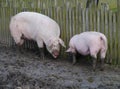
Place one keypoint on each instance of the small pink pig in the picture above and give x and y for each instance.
(89, 43)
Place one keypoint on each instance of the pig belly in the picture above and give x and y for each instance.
(83, 50)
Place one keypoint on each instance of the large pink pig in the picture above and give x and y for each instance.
(37, 27)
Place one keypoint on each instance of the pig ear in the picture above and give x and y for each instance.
(61, 42)
(68, 50)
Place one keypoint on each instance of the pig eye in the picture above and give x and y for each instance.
(53, 45)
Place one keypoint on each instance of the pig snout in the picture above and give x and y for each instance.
(55, 53)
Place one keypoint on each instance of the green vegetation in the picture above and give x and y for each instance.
(112, 3)
(49, 3)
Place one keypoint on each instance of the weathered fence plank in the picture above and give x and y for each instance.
(118, 27)
(115, 39)
(110, 36)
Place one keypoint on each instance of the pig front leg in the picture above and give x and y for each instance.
(19, 46)
(93, 54)
(72, 52)
(19, 41)
(73, 58)
(41, 48)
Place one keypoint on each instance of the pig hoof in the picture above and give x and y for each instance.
(42, 57)
(73, 63)
(94, 70)
(101, 69)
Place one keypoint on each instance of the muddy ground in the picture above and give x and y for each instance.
(28, 71)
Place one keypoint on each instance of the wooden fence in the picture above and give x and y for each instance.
(72, 20)
(42, 4)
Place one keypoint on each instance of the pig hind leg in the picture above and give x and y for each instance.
(93, 54)
(102, 56)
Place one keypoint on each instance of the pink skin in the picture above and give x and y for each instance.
(54, 46)
(34, 27)
(89, 43)
(55, 53)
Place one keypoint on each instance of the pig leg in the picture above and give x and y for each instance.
(42, 53)
(94, 56)
(74, 58)
(102, 64)
(20, 48)
(20, 44)
(41, 49)
(102, 55)
(94, 63)
(72, 51)
(19, 41)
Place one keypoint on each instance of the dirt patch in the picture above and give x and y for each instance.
(27, 71)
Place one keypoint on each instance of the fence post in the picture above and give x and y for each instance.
(115, 40)
(118, 24)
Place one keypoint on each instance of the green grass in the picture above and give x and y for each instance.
(112, 3)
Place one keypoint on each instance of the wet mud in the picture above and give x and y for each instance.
(27, 71)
